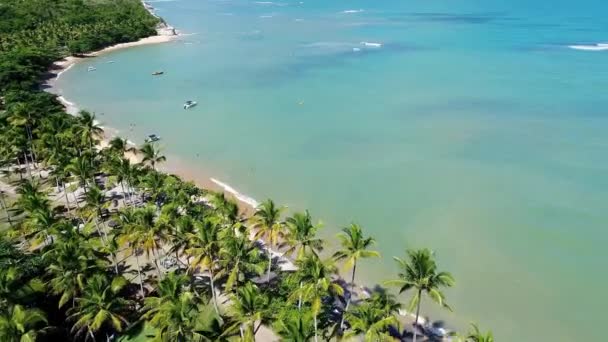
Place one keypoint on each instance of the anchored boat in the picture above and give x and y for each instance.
(189, 104)
(152, 138)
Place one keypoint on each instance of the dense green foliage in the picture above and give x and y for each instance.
(34, 33)
(95, 244)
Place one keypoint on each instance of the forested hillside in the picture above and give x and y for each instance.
(33, 33)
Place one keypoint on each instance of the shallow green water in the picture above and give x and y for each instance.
(473, 130)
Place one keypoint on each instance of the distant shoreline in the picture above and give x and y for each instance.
(165, 34)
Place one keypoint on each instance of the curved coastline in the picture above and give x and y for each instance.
(165, 34)
(246, 203)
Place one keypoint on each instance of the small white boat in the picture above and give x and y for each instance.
(91, 68)
(189, 104)
(152, 138)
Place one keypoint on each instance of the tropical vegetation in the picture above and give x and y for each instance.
(100, 244)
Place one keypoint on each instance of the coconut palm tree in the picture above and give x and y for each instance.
(88, 128)
(370, 322)
(205, 250)
(153, 184)
(129, 235)
(151, 155)
(354, 247)
(148, 234)
(295, 326)
(175, 319)
(15, 287)
(315, 278)
(99, 307)
(18, 324)
(160, 309)
(31, 197)
(70, 262)
(267, 224)
(419, 273)
(210, 327)
(41, 226)
(475, 335)
(301, 236)
(250, 307)
(238, 258)
(120, 146)
(182, 228)
(5, 208)
(123, 173)
(81, 168)
(95, 202)
(227, 209)
(22, 114)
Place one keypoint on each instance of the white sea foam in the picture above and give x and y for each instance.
(243, 198)
(592, 47)
(266, 16)
(64, 70)
(352, 11)
(270, 3)
(372, 45)
(70, 107)
(298, 20)
(356, 49)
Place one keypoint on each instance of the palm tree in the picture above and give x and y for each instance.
(168, 312)
(70, 262)
(369, 321)
(147, 234)
(122, 172)
(5, 208)
(99, 306)
(295, 326)
(88, 128)
(153, 183)
(151, 155)
(205, 249)
(31, 197)
(228, 210)
(354, 247)
(249, 306)
(130, 235)
(302, 235)
(18, 324)
(15, 287)
(23, 115)
(475, 335)
(419, 272)
(210, 327)
(95, 202)
(82, 169)
(267, 223)
(238, 258)
(373, 317)
(176, 319)
(315, 283)
(183, 227)
(120, 146)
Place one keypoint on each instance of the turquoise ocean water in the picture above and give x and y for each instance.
(467, 126)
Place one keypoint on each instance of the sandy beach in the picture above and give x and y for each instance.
(165, 34)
